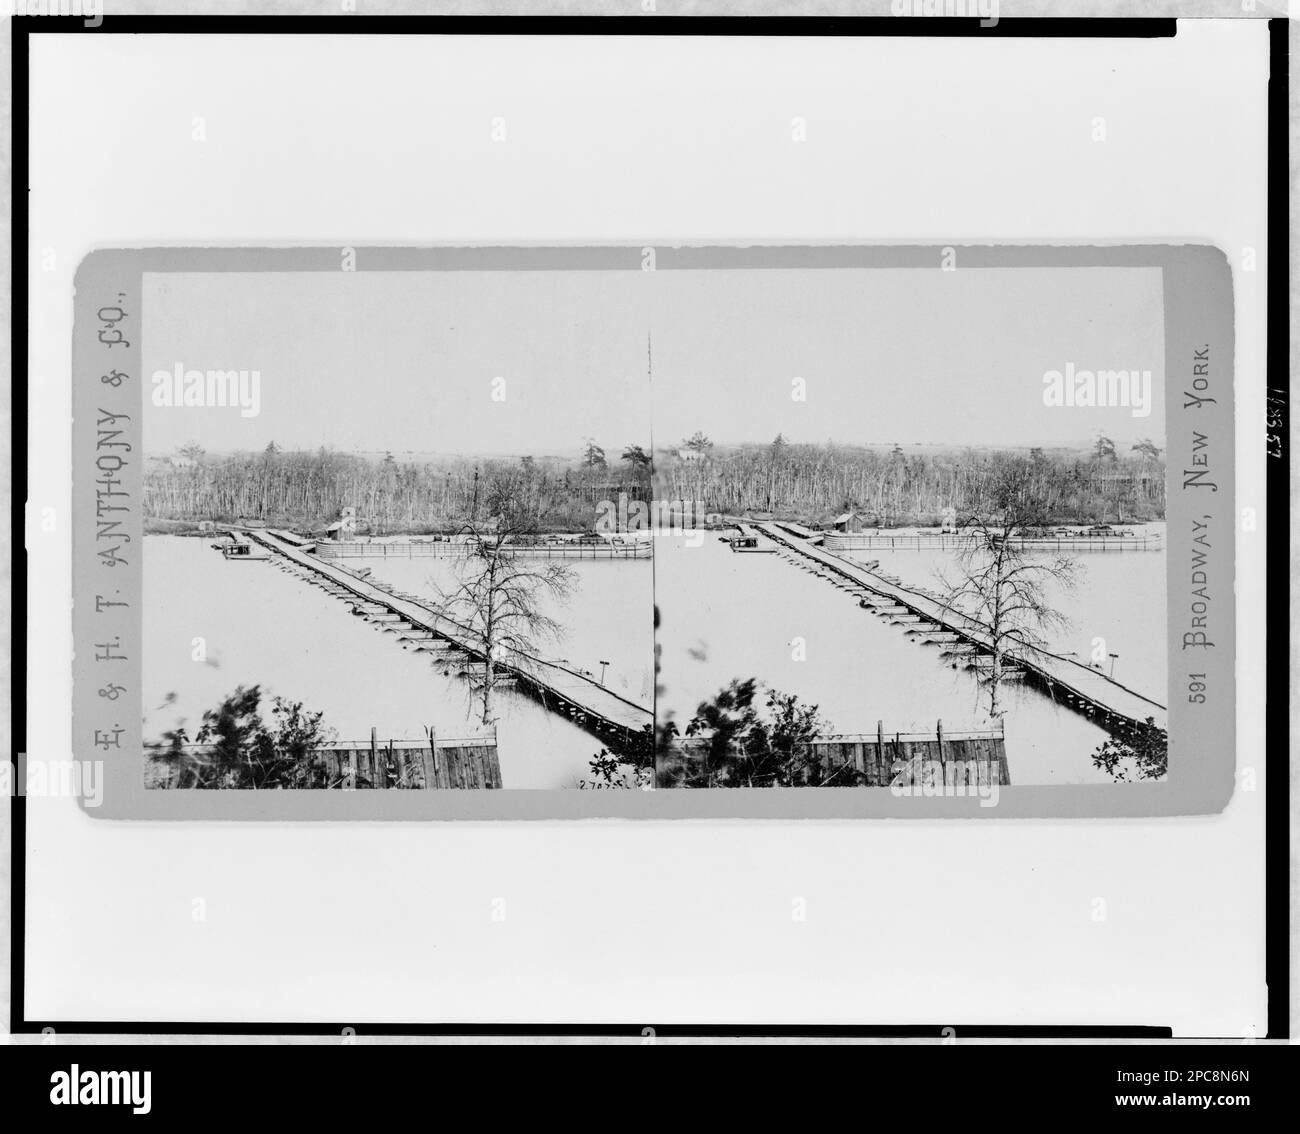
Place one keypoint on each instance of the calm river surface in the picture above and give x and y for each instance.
(727, 615)
(264, 627)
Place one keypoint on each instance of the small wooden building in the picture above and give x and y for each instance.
(345, 527)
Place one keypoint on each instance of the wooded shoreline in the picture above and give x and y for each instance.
(808, 484)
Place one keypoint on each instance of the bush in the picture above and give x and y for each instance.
(240, 750)
(1139, 753)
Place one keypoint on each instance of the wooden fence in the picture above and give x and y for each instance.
(954, 758)
(931, 541)
(462, 763)
(435, 763)
(459, 549)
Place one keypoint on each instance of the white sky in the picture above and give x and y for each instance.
(902, 355)
(405, 361)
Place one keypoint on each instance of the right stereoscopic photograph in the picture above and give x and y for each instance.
(917, 532)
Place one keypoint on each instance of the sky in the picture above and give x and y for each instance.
(902, 356)
(534, 362)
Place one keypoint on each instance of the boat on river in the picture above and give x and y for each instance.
(241, 547)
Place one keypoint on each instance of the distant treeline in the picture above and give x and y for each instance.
(308, 489)
(814, 483)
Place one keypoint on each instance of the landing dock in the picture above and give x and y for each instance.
(799, 530)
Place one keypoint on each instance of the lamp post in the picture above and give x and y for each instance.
(603, 664)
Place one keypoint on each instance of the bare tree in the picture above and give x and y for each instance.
(776, 454)
(1004, 588)
(500, 596)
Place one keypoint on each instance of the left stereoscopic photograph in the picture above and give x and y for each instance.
(384, 536)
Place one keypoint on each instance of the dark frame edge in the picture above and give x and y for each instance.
(1277, 555)
(1277, 814)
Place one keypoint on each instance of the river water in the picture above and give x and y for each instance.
(726, 615)
(262, 626)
